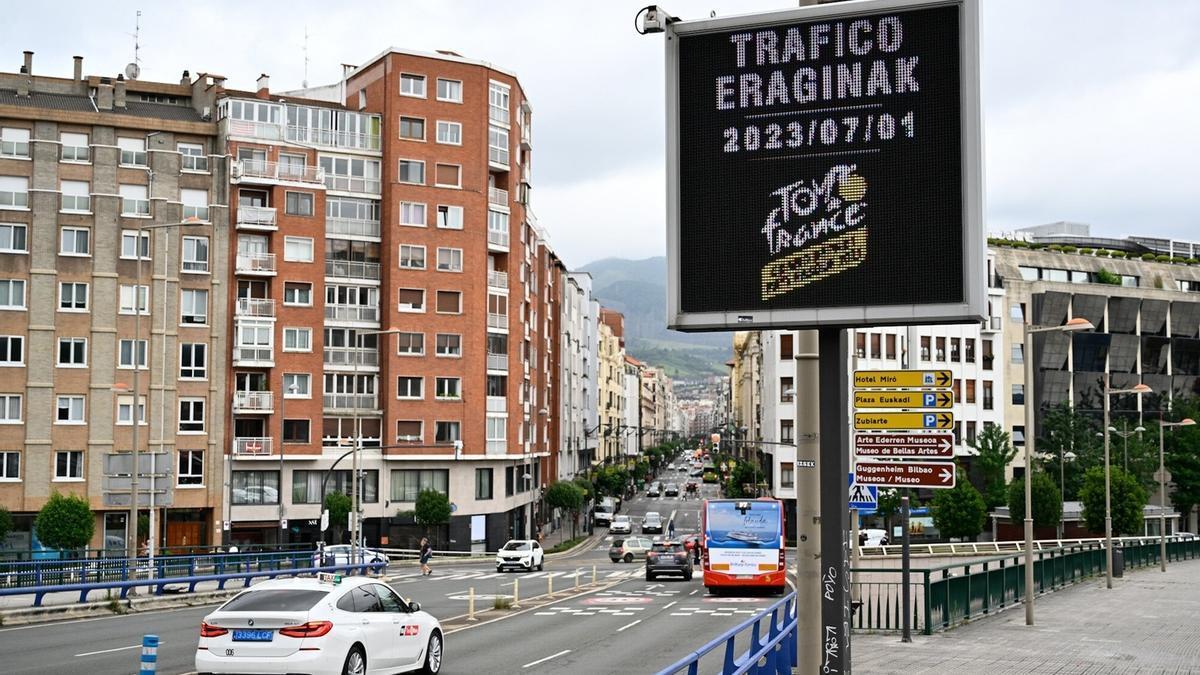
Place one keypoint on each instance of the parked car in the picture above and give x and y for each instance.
(339, 554)
(330, 624)
(603, 514)
(621, 525)
(652, 522)
(629, 548)
(671, 466)
(872, 537)
(522, 554)
(668, 557)
(672, 490)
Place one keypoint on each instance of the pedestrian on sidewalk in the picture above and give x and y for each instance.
(426, 554)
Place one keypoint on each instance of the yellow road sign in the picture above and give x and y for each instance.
(902, 378)
(919, 398)
(888, 421)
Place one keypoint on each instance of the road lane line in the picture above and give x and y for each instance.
(114, 649)
(629, 625)
(552, 656)
(670, 604)
(694, 592)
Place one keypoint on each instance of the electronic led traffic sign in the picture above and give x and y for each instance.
(824, 167)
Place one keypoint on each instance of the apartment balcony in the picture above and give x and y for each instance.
(259, 264)
(330, 138)
(352, 269)
(253, 356)
(498, 197)
(497, 321)
(352, 227)
(497, 404)
(252, 446)
(992, 324)
(497, 362)
(353, 313)
(256, 218)
(498, 239)
(498, 279)
(335, 403)
(262, 308)
(351, 357)
(253, 402)
(360, 184)
(266, 131)
(271, 173)
(526, 137)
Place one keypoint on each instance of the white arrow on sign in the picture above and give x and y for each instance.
(946, 476)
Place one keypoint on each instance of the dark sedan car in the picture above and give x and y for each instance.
(671, 490)
(655, 490)
(668, 557)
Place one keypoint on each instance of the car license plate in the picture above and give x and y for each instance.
(744, 576)
(253, 635)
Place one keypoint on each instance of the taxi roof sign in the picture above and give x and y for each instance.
(329, 578)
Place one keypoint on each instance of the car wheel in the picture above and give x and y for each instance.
(542, 565)
(356, 662)
(433, 655)
(628, 557)
(499, 569)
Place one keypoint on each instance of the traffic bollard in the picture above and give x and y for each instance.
(471, 604)
(149, 655)
(550, 586)
(516, 594)
(593, 575)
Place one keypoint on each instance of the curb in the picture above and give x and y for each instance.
(114, 607)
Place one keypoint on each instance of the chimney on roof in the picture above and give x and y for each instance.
(186, 79)
(104, 94)
(23, 84)
(264, 86)
(28, 62)
(78, 68)
(119, 92)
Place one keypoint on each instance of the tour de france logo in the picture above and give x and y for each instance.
(817, 231)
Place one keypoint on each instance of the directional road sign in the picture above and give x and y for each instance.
(893, 379)
(905, 474)
(889, 421)
(904, 446)
(916, 398)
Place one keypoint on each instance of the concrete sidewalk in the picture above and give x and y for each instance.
(1145, 624)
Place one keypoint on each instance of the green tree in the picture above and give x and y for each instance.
(338, 504)
(65, 522)
(888, 507)
(6, 523)
(1182, 449)
(1047, 502)
(959, 512)
(567, 496)
(1066, 434)
(1128, 500)
(432, 509)
(994, 452)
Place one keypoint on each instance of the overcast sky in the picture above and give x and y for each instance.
(1091, 107)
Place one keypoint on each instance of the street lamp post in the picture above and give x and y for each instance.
(1063, 458)
(356, 488)
(1108, 392)
(1076, 324)
(1125, 432)
(1162, 486)
(293, 390)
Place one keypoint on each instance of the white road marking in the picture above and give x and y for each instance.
(114, 649)
(670, 604)
(629, 625)
(552, 656)
(680, 614)
(694, 592)
(492, 575)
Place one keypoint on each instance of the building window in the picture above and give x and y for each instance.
(448, 387)
(447, 175)
(192, 157)
(68, 465)
(255, 487)
(860, 344)
(12, 350)
(10, 465)
(297, 385)
(409, 431)
(131, 249)
(449, 133)
(412, 214)
(785, 346)
(890, 342)
(125, 410)
(410, 344)
(408, 483)
(449, 344)
(412, 128)
(449, 259)
(10, 408)
(412, 85)
(412, 300)
(483, 483)
(449, 302)
(1018, 435)
(1016, 312)
(1018, 394)
(125, 353)
(193, 361)
(970, 391)
(195, 254)
(195, 204)
(297, 431)
(786, 431)
(925, 340)
(14, 193)
(969, 350)
(412, 257)
(956, 387)
(986, 355)
(75, 241)
(955, 353)
(449, 90)
(133, 151)
(72, 352)
(497, 434)
(191, 415)
(191, 467)
(74, 147)
(498, 102)
(876, 339)
(498, 145)
(409, 387)
(134, 201)
(298, 204)
(787, 475)
(447, 432)
(412, 171)
(193, 306)
(297, 294)
(787, 393)
(941, 349)
(988, 396)
(14, 142)
(297, 339)
(450, 217)
(72, 296)
(971, 434)
(306, 485)
(1018, 353)
(298, 249)
(76, 197)
(69, 410)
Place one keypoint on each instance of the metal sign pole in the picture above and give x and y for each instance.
(808, 505)
(835, 531)
(905, 565)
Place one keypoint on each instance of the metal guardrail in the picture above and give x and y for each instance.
(35, 573)
(773, 653)
(985, 547)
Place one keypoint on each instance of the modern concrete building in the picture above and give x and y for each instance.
(630, 437)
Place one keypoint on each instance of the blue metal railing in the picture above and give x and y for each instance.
(33, 573)
(773, 653)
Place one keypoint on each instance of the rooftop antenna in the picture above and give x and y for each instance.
(134, 69)
(304, 83)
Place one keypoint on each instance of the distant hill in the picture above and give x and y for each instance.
(638, 289)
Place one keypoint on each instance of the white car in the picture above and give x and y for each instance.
(522, 554)
(621, 525)
(330, 624)
(339, 554)
(873, 537)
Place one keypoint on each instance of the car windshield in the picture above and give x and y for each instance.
(275, 600)
(667, 548)
(517, 546)
(621, 519)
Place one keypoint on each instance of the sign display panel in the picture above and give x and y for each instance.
(823, 168)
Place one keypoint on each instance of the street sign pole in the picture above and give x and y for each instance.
(808, 505)
(905, 565)
(834, 525)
